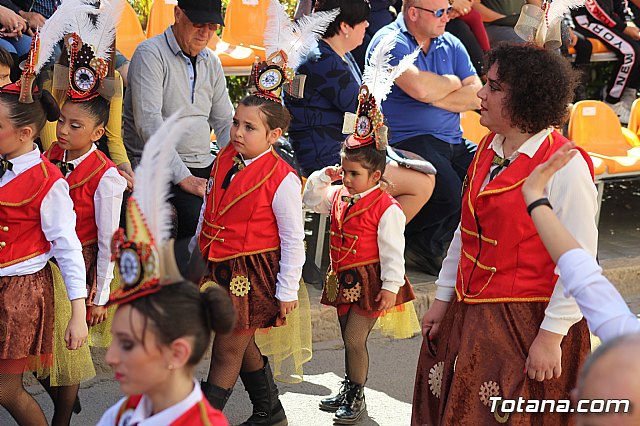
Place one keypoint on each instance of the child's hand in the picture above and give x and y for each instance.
(334, 172)
(385, 299)
(287, 307)
(533, 187)
(432, 319)
(97, 314)
(76, 333)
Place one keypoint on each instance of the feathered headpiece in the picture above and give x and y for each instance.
(287, 44)
(89, 43)
(144, 255)
(542, 25)
(367, 125)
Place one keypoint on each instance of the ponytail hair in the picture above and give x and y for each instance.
(43, 109)
(181, 310)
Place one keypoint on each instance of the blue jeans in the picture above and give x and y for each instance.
(432, 228)
(19, 47)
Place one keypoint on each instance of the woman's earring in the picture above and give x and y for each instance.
(346, 35)
(170, 366)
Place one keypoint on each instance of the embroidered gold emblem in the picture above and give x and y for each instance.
(499, 415)
(240, 286)
(352, 294)
(435, 378)
(207, 284)
(331, 286)
(488, 390)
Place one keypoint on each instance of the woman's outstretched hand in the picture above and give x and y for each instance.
(533, 187)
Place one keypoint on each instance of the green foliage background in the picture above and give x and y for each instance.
(235, 84)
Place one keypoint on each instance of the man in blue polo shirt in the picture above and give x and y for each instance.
(423, 114)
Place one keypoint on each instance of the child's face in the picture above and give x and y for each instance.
(356, 178)
(5, 72)
(249, 134)
(13, 142)
(138, 368)
(77, 129)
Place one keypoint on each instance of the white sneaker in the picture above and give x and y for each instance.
(622, 109)
(629, 95)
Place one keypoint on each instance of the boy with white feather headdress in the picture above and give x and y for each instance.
(251, 233)
(366, 280)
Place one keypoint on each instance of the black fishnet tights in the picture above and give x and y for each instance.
(18, 402)
(355, 332)
(63, 397)
(231, 354)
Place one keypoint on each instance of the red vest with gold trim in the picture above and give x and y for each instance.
(239, 221)
(502, 257)
(200, 414)
(21, 236)
(83, 183)
(354, 233)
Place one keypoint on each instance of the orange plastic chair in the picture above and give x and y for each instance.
(160, 17)
(471, 127)
(634, 121)
(595, 127)
(244, 24)
(596, 47)
(129, 32)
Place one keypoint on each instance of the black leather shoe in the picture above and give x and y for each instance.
(353, 406)
(263, 393)
(334, 402)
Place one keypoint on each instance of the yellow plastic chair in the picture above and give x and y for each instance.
(471, 127)
(595, 127)
(129, 32)
(634, 121)
(244, 24)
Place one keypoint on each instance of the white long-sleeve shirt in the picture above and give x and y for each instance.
(318, 196)
(287, 208)
(58, 222)
(603, 307)
(107, 202)
(574, 199)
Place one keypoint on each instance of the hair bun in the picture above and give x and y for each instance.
(219, 309)
(50, 106)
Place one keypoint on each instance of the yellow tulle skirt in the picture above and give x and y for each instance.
(69, 367)
(399, 322)
(100, 335)
(289, 346)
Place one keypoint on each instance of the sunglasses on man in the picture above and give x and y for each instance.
(438, 12)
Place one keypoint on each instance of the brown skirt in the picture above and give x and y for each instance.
(26, 322)
(251, 282)
(360, 285)
(90, 254)
(480, 352)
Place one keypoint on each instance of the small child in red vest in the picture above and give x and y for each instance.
(251, 234)
(96, 188)
(37, 223)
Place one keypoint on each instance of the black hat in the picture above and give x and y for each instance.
(202, 11)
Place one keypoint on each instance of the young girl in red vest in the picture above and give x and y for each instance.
(162, 326)
(38, 222)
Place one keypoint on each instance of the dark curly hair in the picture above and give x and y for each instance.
(541, 85)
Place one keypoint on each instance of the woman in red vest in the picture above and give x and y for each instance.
(500, 327)
(96, 189)
(37, 223)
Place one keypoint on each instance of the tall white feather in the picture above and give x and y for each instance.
(101, 36)
(378, 74)
(62, 22)
(296, 39)
(153, 177)
(557, 9)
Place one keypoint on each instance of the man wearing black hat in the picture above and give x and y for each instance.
(175, 71)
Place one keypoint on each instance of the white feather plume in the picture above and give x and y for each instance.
(296, 39)
(153, 176)
(378, 74)
(558, 8)
(101, 36)
(62, 22)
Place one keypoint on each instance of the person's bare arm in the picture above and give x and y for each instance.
(425, 86)
(463, 99)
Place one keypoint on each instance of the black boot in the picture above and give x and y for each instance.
(263, 392)
(334, 402)
(216, 395)
(353, 406)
